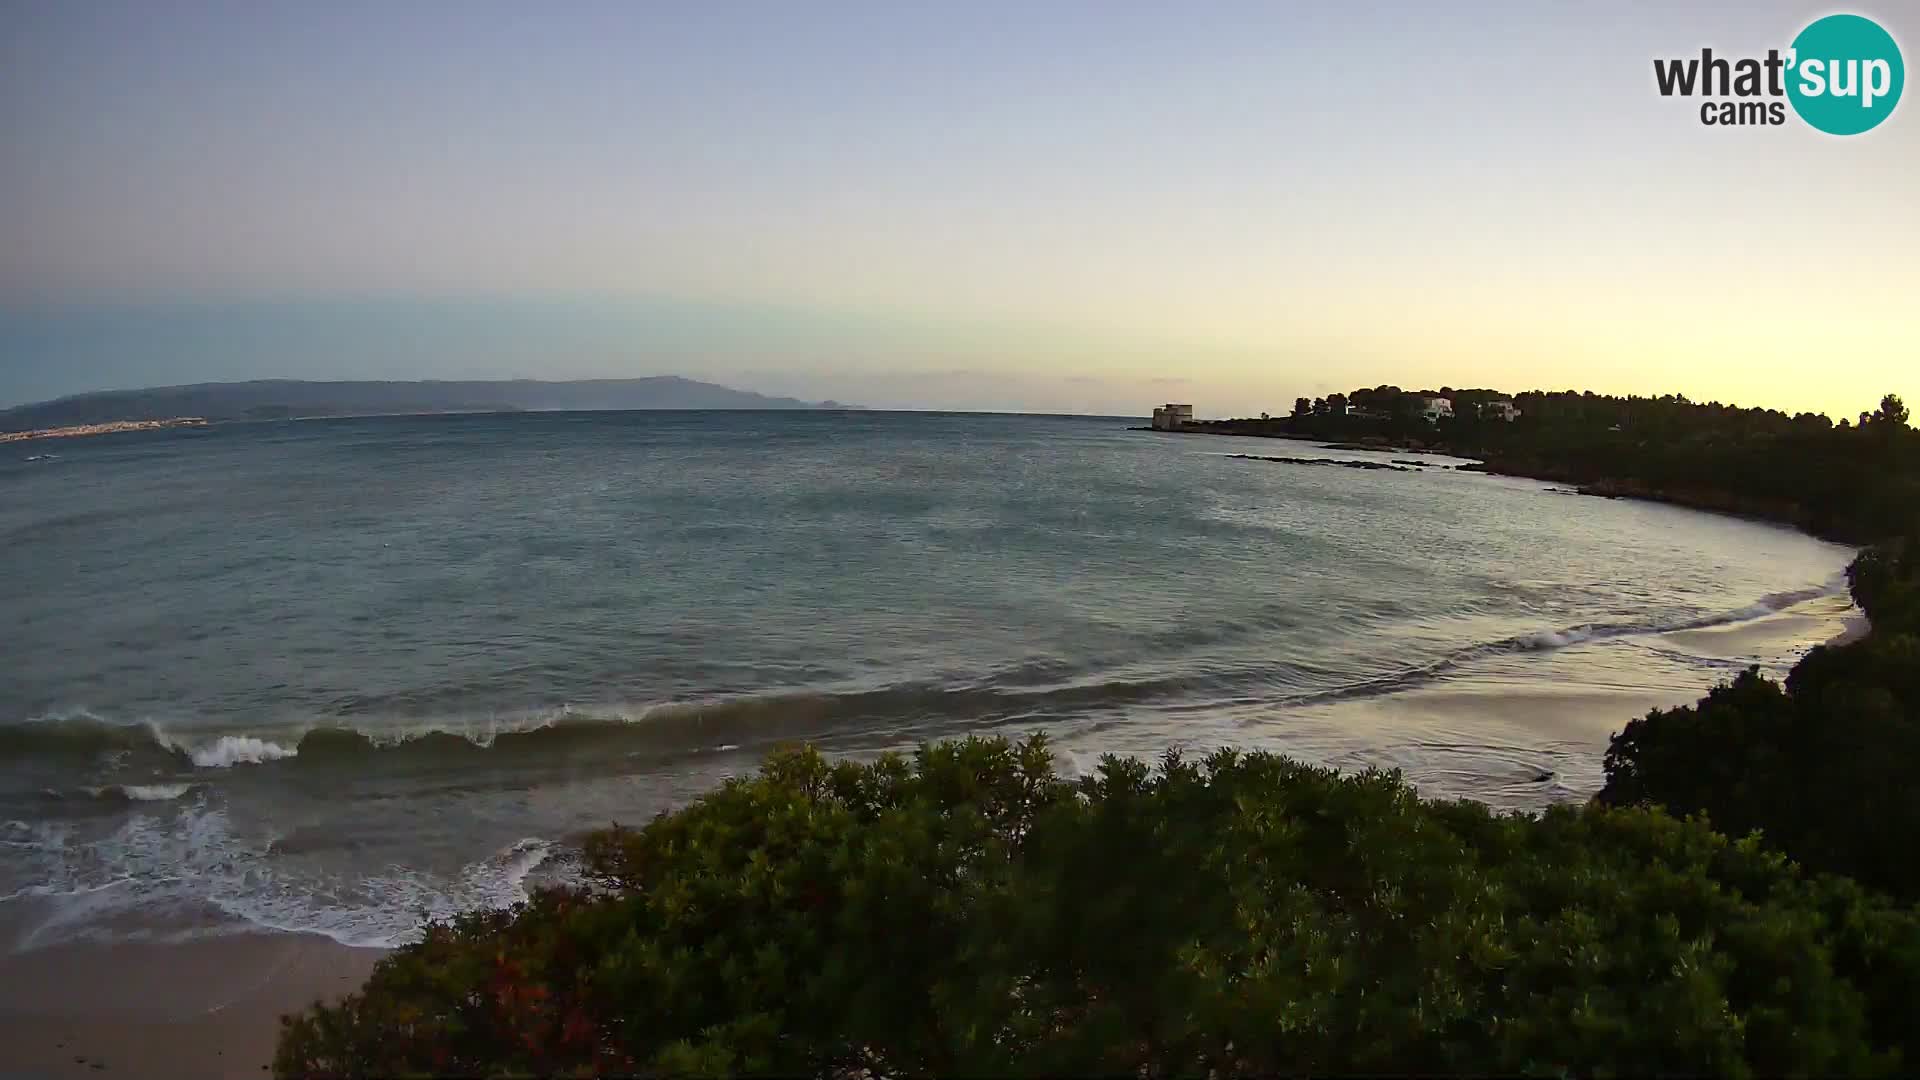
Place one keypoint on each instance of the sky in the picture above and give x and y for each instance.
(1056, 206)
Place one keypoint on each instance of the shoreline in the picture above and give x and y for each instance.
(1858, 626)
(207, 1008)
(77, 431)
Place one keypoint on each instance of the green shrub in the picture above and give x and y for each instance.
(1885, 581)
(1822, 767)
(967, 911)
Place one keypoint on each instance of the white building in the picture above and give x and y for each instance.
(1499, 410)
(1434, 407)
(1169, 417)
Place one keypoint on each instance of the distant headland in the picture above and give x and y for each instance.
(278, 399)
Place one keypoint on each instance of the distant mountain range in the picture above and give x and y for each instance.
(272, 399)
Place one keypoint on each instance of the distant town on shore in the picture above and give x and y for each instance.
(110, 428)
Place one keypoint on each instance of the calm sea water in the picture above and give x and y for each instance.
(326, 675)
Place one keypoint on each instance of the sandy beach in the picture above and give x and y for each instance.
(200, 1009)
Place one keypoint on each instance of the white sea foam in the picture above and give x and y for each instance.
(154, 792)
(1771, 604)
(385, 910)
(1073, 764)
(143, 792)
(230, 750)
(182, 857)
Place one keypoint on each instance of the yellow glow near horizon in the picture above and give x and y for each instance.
(1258, 200)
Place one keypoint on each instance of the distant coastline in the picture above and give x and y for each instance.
(288, 399)
(110, 428)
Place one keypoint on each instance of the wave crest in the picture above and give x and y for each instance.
(903, 712)
(230, 750)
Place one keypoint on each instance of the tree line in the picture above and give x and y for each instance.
(1855, 481)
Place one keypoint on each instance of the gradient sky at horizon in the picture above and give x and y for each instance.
(1064, 206)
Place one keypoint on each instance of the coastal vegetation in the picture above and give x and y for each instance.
(1856, 481)
(1739, 900)
(967, 911)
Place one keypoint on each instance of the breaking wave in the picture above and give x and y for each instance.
(82, 733)
(1759, 609)
(168, 841)
(904, 711)
(192, 856)
(1549, 640)
(230, 750)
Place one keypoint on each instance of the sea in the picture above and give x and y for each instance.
(341, 675)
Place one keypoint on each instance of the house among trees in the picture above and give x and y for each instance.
(1433, 406)
(1502, 409)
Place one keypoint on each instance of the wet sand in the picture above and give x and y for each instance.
(1831, 620)
(1521, 731)
(204, 1009)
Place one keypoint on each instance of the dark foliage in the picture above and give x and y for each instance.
(1823, 766)
(1886, 584)
(1853, 482)
(967, 912)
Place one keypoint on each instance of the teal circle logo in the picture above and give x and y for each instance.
(1845, 74)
